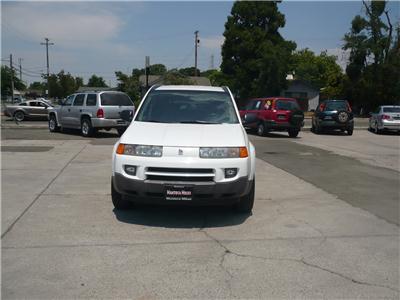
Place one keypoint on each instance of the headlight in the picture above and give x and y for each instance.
(223, 152)
(140, 150)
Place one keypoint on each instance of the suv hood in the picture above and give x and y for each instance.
(185, 135)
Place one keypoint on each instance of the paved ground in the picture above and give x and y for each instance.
(314, 232)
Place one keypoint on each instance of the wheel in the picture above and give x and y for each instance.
(317, 130)
(121, 130)
(246, 203)
(86, 127)
(261, 129)
(117, 199)
(342, 117)
(350, 131)
(293, 132)
(19, 116)
(53, 126)
(376, 128)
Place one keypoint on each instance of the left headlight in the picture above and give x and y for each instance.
(140, 150)
(223, 152)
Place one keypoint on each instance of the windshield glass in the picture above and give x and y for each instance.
(391, 109)
(202, 107)
(286, 105)
(336, 105)
(115, 99)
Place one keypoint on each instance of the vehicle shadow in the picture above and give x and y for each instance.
(172, 216)
(100, 134)
(279, 135)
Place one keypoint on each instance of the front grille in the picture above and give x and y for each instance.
(180, 174)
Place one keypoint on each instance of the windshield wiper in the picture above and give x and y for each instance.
(198, 122)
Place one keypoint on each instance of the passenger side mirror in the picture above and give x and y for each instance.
(126, 115)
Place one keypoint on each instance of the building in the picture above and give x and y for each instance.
(306, 94)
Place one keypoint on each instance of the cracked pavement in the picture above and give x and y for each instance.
(62, 239)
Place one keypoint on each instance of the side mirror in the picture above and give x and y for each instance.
(126, 115)
(249, 118)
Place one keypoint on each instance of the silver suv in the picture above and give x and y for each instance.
(91, 111)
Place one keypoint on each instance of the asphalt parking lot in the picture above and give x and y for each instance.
(325, 224)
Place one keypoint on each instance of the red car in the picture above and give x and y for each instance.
(273, 114)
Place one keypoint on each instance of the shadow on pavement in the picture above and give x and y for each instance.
(100, 134)
(172, 216)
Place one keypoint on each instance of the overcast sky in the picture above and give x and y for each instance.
(103, 37)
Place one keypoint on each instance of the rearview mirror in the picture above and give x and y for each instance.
(126, 115)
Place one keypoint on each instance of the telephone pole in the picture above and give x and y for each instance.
(196, 44)
(20, 68)
(47, 59)
(212, 62)
(12, 79)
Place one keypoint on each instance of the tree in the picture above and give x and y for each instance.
(176, 78)
(96, 81)
(188, 71)
(78, 82)
(216, 77)
(129, 85)
(374, 65)
(157, 69)
(63, 84)
(255, 57)
(41, 86)
(6, 76)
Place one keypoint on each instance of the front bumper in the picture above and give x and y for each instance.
(108, 123)
(204, 193)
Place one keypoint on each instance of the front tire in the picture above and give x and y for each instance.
(19, 116)
(293, 133)
(118, 201)
(376, 128)
(53, 126)
(246, 203)
(350, 131)
(261, 129)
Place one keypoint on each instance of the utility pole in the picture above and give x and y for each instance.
(212, 62)
(20, 68)
(147, 71)
(12, 79)
(47, 59)
(196, 44)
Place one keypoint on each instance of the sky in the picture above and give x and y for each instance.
(103, 37)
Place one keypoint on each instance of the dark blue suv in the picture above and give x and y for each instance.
(332, 115)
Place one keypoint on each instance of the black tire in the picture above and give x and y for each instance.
(86, 128)
(376, 129)
(317, 130)
(342, 117)
(245, 204)
(294, 132)
(350, 131)
(297, 118)
(261, 131)
(53, 126)
(121, 130)
(19, 116)
(118, 201)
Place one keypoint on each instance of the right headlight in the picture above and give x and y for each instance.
(223, 152)
(140, 150)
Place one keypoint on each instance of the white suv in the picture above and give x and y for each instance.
(186, 144)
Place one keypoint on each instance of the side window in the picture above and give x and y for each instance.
(79, 100)
(250, 105)
(268, 104)
(22, 104)
(258, 105)
(33, 103)
(91, 100)
(69, 100)
(41, 104)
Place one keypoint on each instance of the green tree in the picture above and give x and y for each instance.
(63, 84)
(129, 85)
(216, 77)
(78, 82)
(174, 77)
(374, 69)
(157, 69)
(6, 76)
(188, 71)
(41, 86)
(96, 81)
(255, 57)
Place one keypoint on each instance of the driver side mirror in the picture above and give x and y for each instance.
(126, 115)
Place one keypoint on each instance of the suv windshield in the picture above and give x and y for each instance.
(115, 99)
(286, 105)
(199, 107)
(336, 105)
(391, 109)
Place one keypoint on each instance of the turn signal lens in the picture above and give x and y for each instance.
(243, 152)
(120, 149)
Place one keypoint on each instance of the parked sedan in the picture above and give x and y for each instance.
(385, 118)
(28, 109)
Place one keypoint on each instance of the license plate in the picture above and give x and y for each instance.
(328, 118)
(178, 193)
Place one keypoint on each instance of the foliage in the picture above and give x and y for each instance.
(63, 84)
(189, 71)
(6, 76)
(255, 57)
(374, 67)
(176, 78)
(130, 85)
(216, 77)
(96, 81)
(40, 86)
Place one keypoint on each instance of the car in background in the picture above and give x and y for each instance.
(186, 145)
(273, 114)
(333, 115)
(91, 111)
(385, 118)
(28, 110)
